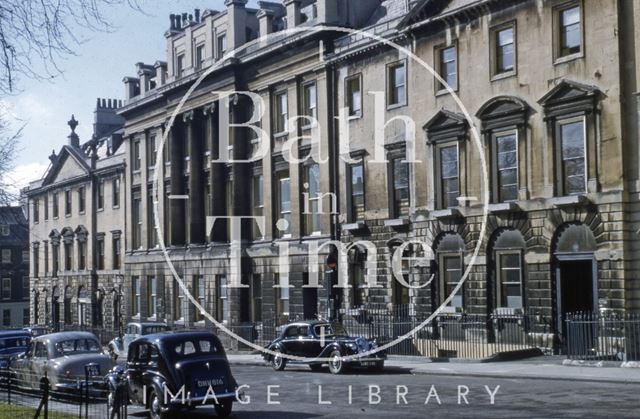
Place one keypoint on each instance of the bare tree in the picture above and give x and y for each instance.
(35, 34)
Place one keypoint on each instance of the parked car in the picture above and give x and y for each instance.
(64, 357)
(12, 343)
(119, 346)
(193, 361)
(36, 331)
(320, 339)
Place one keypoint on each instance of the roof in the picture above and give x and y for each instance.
(11, 333)
(62, 336)
(174, 336)
(18, 227)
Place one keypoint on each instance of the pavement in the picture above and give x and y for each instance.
(541, 367)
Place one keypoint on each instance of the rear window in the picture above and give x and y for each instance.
(148, 330)
(190, 348)
(78, 346)
(13, 342)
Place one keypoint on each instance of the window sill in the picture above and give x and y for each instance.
(355, 117)
(503, 207)
(357, 225)
(568, 58)
(444, 214)
(280, 135)
(396, 222)
(309, 127)
(391, 107)
(451, 310)
(445, 92)
(137, 172)
(505, 75)
(569, 201)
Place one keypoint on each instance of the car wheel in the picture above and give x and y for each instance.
(224, 409)
(278, 362)
(315, 367)
(336, 364)
(155, 407)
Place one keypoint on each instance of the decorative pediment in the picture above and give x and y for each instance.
(569, 96)
(69, 164)
(81, 232)
(446, 125)
(503, 111)
(55, 234)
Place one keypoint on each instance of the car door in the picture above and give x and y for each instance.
(289, 340)
(37, 364)
(317, 341)
(300, 346)
(138, 358)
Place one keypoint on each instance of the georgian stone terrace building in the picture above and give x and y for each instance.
(549, 85)
(76, 229)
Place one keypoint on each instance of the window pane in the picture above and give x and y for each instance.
(570, 36)
(505, 37)
(574, 170)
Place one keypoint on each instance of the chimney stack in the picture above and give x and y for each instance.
(196, 13)
(172, 17)
(237, 23)
(105, 118)
(265, 19)
(294, 16)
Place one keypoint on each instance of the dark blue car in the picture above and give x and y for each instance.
(167, 372)
(12, 344)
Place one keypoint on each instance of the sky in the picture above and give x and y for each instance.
(95, 71)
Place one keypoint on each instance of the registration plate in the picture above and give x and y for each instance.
(368, 363)
(93, 370)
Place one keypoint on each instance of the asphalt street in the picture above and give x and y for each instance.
(398, 393)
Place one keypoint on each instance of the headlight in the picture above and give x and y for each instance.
(352, 346)
(374, 343)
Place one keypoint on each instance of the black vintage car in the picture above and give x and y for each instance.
(168, 372)
(315, 340)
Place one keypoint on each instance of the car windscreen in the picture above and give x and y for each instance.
(13, 342)
(193, 348)
(148, 330)
(78, 346)
(329, 330)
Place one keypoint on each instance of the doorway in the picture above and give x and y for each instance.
(576, 289)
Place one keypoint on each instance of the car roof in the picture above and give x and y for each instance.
(60, 336)
(175, 336)
(11, 333)
(308, 323)
(143, 324)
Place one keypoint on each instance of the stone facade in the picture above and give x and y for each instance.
(76, 230)
(543, 85)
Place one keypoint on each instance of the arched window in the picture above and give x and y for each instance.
(508, 256)
(67, 305)
(83, 303)
(450, 266)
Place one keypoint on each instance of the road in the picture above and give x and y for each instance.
(299, 393)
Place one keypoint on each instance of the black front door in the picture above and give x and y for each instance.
(576, 289)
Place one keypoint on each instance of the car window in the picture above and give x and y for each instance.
(291, 331)
(78, 346)
(206, 346)
(192, 348)
(330, 330)
(40, 350)
(13, 342)
(303, 331)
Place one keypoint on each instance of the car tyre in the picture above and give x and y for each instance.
(155, 407)
(336, 364)
(278, 362)
(223, 410)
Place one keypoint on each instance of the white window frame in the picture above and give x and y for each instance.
(560, 173)
(499, 276)
(496, 171)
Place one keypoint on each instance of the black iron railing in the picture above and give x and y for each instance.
(603, 336)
